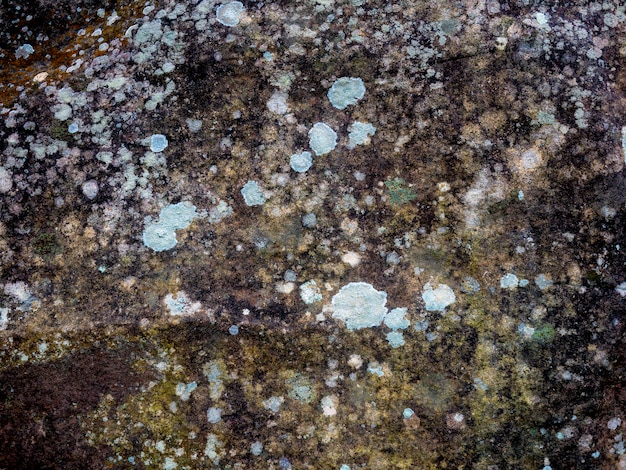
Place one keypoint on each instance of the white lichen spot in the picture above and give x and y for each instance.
(501, 43)
(346, 91)
(180, 304)
(543, 282)
(273, 403)
(614, 423)
(212, 445)
(530, 159)
(301, 162)
(541, 20)
(309, 220)
(352, 258)
(322, 138)
(526, 331)
(161, 235)
(621, 289)
(148, 32)
(443, 186)
(158, 143)
(40, 77)
(19, 291)
(4, 318)
(470, 285)
(169, 464)
(184, 390)
(6, 180)
(396, 320)
(62, 111)
(395, 339)
(593, 53)
(229, 14)
(359, 305)
(256, 448)
(117, 82)
(214, 415)
(219, 212)
(310, 292)
(252, 194)
(509, 281)
(277, 103)
(284, 287)
(375, 368)
(24, 51)
(355, 361)
(359, 133)
(194, 125)
(611, 20)
(439, 298)
(90, 189)
(329, 405)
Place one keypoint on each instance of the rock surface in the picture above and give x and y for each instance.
(491, 146)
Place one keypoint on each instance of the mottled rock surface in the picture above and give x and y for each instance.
(486, 155)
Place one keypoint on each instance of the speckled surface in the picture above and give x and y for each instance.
(491, 162)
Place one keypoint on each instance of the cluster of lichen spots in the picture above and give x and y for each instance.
(487, 161)
(74, 40)
(156, 419)
(264, 375)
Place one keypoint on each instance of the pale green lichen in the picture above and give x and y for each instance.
(252, 194)
(359, 305)
(509, 281)
(359, 133)
(322, 139)
(310, 292)
(161, 235)
(346, 91)
(229, 14)
(439, 298)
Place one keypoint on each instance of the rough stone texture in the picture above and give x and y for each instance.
(498, 149)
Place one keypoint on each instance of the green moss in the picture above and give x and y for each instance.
(500, 207)
(544, 334)
(399, 194)
(126, 261)
(58, 130)
(449, 27)
(47, 245)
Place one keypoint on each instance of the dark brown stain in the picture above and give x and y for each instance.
(42, 406)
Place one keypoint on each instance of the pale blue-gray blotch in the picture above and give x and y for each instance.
(229, 14)
(322, 138)
(252, 194)
(395, 339)
(158, 143)
(360, 305)
(346, 91)
(439, 298)
(310, 293)
(161, 235)
(396, 320)
(509, 281)
(359, 133)
(301, 162)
